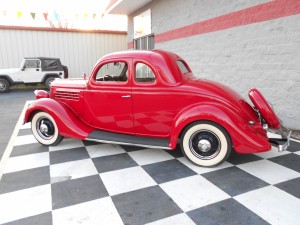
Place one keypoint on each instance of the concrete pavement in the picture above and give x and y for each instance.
(11, 104)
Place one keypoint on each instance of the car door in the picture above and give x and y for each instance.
(108, 102)
(31, 71)
(154, 104)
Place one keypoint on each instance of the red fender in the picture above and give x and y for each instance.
(245, 138)
(68, 123)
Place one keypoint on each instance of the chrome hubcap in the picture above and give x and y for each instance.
(205, 144)
(45, 128)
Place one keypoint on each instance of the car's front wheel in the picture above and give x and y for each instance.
(45, 130)
(205, 143)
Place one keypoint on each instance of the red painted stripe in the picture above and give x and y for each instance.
(61, 30)
(263, 12)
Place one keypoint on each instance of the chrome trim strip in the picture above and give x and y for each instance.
(124, 143)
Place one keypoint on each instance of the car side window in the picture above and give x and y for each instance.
(182, 67)
(113, 71)
(32, 64)
(144, 73)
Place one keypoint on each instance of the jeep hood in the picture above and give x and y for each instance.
(8, 71)
(69, 83)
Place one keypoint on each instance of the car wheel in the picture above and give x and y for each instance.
(264, 108)
(206, 144)
(48, 82)
(4, 85)
(45, 130)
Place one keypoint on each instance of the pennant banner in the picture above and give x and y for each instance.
(56, 16)
(45, 16)
(32, 15)
(19, 14)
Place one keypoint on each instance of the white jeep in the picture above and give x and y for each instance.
(32, 71)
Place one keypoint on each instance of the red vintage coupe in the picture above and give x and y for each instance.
(152, 99)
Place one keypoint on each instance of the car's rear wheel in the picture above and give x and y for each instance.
(48, 82)
(206, 144)
(4, 85)
(45, 130)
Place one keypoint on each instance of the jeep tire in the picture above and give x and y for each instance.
(4, 85)
(48, 82)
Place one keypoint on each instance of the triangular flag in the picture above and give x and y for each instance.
(32, 15)
(4, 12)
(85, 15)
(45, 16)
(56, 16)
(19, 14)
(94, 15)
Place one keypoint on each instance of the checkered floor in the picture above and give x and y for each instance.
(79, 182)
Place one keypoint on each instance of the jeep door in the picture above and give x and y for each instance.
(108, 102)
(31, 71)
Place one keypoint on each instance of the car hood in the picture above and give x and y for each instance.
(8, 71)
(69, 83)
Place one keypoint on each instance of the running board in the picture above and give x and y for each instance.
(125, 139)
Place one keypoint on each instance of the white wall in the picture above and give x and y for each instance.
(263, 54)
(77, 50)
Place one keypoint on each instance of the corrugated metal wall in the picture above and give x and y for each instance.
(77, 50)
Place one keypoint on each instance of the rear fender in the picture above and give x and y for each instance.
(68, 124)
(245, 139)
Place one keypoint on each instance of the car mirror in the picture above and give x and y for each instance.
(84, 76)
(23, 68)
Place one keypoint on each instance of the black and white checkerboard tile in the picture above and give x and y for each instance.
(79, 182)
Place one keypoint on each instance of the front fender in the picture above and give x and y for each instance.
(68, 124)
(245, 139)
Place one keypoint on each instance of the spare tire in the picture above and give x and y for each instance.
(264, 108)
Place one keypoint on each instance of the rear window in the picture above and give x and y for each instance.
(183, 68)
(51, 64)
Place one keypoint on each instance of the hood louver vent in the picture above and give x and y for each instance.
(67, 95)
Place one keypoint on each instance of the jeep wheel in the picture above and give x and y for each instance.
(48, 82)
(4, 85)
(45, 130)
(206, 144)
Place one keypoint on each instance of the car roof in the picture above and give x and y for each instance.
(163, 61)
(43, 58)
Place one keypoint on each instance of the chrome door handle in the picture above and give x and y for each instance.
(126, 96)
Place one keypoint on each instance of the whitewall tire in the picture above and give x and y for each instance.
(206, 144)
(45, 130)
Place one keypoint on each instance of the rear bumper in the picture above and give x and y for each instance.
(281, 143)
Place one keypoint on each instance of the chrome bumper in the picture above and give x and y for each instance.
(281, 143)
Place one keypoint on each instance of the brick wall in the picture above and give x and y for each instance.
(241, 43)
